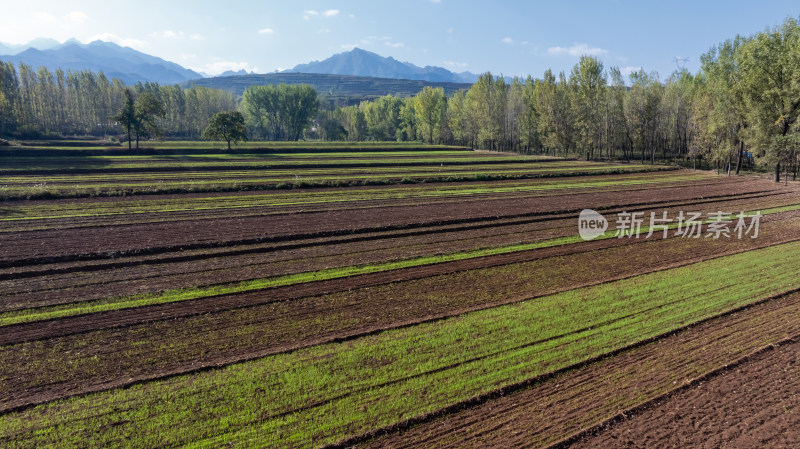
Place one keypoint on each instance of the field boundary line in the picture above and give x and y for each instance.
(401, 275)
(518, 386)
(212, 365)
(477, 223)
(635, 410)
(452, 198)
(222, 186)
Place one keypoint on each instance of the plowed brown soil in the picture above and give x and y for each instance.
(68, 282)
(156, 341)
(563, 405)
(754, 404)
(19, 248)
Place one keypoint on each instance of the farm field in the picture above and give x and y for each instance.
(386, 296)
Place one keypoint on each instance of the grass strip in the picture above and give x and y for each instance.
(43, 190)
(184, 294)
(13, 212)
(329, 392)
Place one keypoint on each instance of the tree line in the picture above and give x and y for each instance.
(741, 107)
(41, 103)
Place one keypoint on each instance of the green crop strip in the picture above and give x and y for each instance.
(319, 177)
(12, 212)
(176, 295)
(328, 392)
(112, 165)
(109, 180)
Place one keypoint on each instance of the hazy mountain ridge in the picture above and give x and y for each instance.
(343, 88)
(132, 66)
(358, 62)
(114, 61)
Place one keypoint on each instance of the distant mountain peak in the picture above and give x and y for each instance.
(113, 60)
(360, 62)
(235, 73)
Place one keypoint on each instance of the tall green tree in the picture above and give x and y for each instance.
(300, 105)
(429, 107)
(147, 110)
(770, 66)
(126, 117)
(262, 111)
(589, 79)
(727, 118)
(228, 126)
(642, 112)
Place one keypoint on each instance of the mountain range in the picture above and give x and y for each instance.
(39, 44)
(132, 66)
(358, 62)
(125, 63)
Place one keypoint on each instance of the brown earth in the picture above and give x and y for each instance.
(27, 247)
(67, 282)
(150, 342)
(557, 407)
(754, 404)
(212, 304)
(409, 195)
(53, 359)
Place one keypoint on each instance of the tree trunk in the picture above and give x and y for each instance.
(778, 172)
(741, 153)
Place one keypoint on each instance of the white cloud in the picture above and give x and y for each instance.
(167, 34)
(460, 65)
(348, 47)
(186, 56)
(436, 1)
(45, 17)
(327, 13)
(394, 44)
(266, 31)
(627, 70)
(76, 16)
(324, 30)
(178, 35)
(507, 40)
(577, 50)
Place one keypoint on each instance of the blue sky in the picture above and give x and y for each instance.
(508, 37)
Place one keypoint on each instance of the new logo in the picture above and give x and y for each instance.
(591, 224)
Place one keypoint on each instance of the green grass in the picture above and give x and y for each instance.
(66, 147)
(273, 161)
(169, 296)
(12, 211)
(328, 392)
(111, 180)
(66, 173)
(42, 187)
